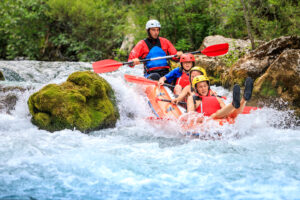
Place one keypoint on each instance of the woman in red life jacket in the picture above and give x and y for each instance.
(187, 61)
(152, 47)
(212, 106)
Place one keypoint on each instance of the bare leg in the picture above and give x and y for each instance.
(235, 112)
(177, 89)
(225, 111)
(230, 110)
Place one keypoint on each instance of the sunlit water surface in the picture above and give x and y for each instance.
(257, 158)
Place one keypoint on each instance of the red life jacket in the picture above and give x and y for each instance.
(142, 49)
(184, 80)
(209, 105)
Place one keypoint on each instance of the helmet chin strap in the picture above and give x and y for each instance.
(208, 90)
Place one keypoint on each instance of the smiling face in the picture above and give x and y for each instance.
(202, 88)
(194, 74)
(187, 65)
(154, 32)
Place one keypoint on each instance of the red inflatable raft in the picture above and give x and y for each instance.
(165, 110)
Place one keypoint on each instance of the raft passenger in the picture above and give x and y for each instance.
(188, 90)
(180, 74)
(203, 102)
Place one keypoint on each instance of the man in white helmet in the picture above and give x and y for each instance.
(151, 47)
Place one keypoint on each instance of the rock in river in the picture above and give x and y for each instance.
(1, 76)
(85, 101)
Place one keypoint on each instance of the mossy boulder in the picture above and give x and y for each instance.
(256, 63)
(282, 79)
(1, 76)
(85, 101)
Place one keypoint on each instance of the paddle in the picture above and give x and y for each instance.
(167, 100)
(142, 80)
(110, 65)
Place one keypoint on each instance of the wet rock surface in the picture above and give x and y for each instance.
(85, 101)
(274, 65)
(282, 79)
(1, 76)
(219, 66)
(256, 62)
(8, 97)
(234, 44)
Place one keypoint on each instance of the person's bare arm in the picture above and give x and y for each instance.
(181, 96)
(162, 80)
(190, 104)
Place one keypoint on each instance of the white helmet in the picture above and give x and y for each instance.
(152, 24)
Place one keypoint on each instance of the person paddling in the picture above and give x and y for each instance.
(181, 74)
(214, 107)
(151, 47)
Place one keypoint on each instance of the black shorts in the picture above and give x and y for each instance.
(156, 74)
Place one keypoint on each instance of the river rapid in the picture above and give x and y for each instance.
(257, 158)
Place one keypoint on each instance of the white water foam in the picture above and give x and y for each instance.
(257, 157)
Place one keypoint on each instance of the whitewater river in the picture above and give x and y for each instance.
(257, 158)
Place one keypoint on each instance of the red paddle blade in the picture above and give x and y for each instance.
(107, 65)
(216, 50)
(139, 80)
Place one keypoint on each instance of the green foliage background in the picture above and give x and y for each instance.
(90, 30)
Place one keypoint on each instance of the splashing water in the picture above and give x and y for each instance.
(256, 158)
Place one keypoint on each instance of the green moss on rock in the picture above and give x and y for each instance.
(268, 90)
(42, 119)
(215, 80)
(85, 102)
